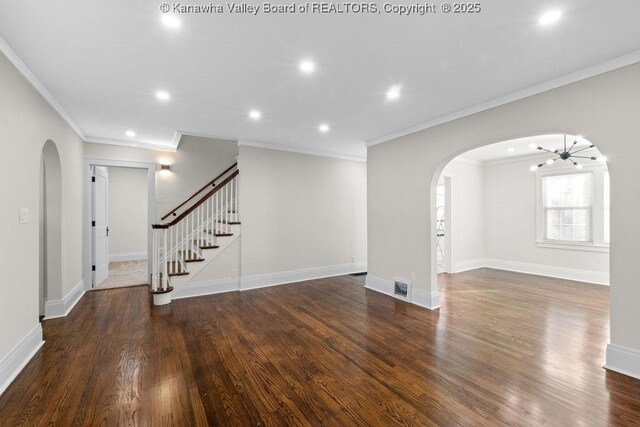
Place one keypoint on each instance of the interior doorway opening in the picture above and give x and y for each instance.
(537, 205)
(50, 227)
(119, 223)
(119, 208)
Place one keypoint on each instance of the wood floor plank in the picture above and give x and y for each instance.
(504, 349)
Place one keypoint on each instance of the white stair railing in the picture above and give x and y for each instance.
(198, 227)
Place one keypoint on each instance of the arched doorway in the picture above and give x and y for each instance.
(518, 205)
(50, 221)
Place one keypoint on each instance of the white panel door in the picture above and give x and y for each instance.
(100, 226)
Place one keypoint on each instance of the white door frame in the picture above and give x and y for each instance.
(151, 208)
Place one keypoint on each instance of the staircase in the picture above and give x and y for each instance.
(195, 232)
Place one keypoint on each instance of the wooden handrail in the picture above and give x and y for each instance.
(199, 202)
(212, 182)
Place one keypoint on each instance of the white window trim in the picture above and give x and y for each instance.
(596, 233)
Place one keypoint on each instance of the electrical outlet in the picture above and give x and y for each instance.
(234, 273)
(413, 277)
(353, 259)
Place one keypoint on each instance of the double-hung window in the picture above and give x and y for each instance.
(567, 207)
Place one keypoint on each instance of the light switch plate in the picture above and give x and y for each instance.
(24, 215)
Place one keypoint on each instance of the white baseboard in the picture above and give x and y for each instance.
(19, 356)
(197, 289)
(471, 264)
(128, 256)
(430, 300)
(379, 285)
(273, 279)
(62, 307)
(596, 277)
(623, 360)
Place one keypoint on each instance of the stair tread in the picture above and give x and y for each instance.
(223, 221)
(205, 244)
(190, 256)
(218, 233)
(177, 270)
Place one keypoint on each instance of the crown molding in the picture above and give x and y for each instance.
(13, 57)
(301, 150)
(604, 67)
(131, 144)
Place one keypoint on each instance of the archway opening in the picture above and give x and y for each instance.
(525, 224)
(50, 227)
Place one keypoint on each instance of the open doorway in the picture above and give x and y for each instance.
(443, 232)
(50, 227)
(520, 206)
(119, 207)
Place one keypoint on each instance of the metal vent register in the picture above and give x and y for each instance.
(401, 289)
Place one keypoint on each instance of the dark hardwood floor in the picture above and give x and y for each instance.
(504, 349)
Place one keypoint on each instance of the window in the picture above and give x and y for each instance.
(567, 207)
(573, 208)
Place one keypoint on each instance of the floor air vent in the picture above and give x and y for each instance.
(401, 289)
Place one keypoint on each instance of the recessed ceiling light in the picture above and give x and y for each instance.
(255, 114)
(324, 128)
(170, 21)
(163, 95)
(307, 67)
(130, 133)
(511, 149)
(393, 92)
(533, 145)
(550, 17)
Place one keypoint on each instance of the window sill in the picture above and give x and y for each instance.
(574, 246)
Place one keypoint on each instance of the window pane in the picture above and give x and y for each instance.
(572, 225)
(572, 190)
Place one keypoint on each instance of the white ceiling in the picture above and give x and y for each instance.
(103, 62)
(519, 148)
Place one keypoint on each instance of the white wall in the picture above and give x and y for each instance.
(27, 122)
(466, 224)
(510, 218)
(127, 205)
(403, 171)
(301, 212)
(196, 162)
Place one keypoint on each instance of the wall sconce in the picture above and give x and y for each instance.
(165, 168)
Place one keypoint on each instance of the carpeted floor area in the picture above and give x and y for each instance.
(126, 273)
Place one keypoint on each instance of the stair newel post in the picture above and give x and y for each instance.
(164, 285)
(154, 261)
(199, 229)
(188, 220)
(235, 200)
(215, 217)
(183, 239)
(226, 208)
(169, 246)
